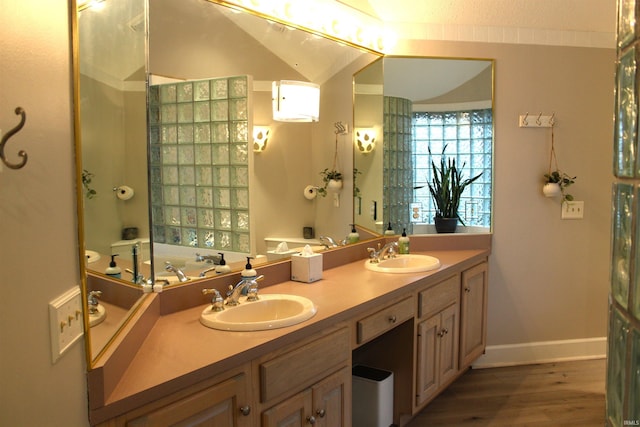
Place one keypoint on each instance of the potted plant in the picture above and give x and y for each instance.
(331, 180)
(446, 188)
(555, 183)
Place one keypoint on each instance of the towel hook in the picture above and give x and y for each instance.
(552, 119)
(538, 120)
(524, 121)
(19, 111)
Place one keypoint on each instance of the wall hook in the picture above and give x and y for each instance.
(19, 111)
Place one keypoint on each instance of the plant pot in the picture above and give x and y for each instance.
(551, 189)
(334, 185)
(446, 225)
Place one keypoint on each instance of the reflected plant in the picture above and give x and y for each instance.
(89, 192)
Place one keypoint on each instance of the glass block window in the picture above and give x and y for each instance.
(468, 137)
(199, 160)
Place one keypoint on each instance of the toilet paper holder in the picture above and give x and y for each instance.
(123, 192)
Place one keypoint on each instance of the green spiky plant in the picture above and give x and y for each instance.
(447, 187)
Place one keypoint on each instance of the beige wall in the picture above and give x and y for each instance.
(38, 249)
(548, 277)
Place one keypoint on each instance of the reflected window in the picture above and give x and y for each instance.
(468, 137)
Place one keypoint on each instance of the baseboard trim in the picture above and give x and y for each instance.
(542, 352)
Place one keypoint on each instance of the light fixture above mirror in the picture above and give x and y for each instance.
(295, 101)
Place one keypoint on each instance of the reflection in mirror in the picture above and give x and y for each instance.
(408, 106)
(212, 71)
(112, 112)
(261, 203)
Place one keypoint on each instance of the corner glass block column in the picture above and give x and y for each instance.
(199, 163)
(623, 358)
(397, 175)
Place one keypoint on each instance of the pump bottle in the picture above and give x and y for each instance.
(403, 243)
(222, 267)
(113, 270)
(353, 237)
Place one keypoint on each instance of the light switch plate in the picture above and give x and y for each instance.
(573, 210)
(66, 322)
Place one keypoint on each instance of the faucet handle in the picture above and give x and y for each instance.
(217, 303)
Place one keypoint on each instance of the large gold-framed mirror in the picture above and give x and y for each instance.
(405, 107)
(127, 48)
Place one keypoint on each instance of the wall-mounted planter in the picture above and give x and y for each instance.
(551, 189)
(334, 185)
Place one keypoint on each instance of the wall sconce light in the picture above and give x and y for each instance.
(365, 140)
(295, 101)
(260, 137)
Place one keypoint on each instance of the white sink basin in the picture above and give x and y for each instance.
(271, 311)
(92, 256)
(411, 263)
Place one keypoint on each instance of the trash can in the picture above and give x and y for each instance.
(372, 397)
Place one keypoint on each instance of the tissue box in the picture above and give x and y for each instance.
(306, 268)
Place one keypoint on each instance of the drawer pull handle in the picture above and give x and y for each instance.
(320, 413)
(311, 419)
(392, 319)
(245, 410)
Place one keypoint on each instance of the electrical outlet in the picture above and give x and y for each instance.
(572, 210)
(66, 322)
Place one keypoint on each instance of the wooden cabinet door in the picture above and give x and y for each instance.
(293, 412)
(449, 339)
(473, 330)
(427, 363)
(332, 400)
(216, 406)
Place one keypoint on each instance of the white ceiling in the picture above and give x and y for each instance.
(573, 15)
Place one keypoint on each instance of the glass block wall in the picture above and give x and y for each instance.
(397, 175)
(199, 163)
(623, 358)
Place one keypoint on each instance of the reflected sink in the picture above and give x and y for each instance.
(92, 256)
(411, 263)
(271, 311)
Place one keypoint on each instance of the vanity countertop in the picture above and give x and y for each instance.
(180, 351)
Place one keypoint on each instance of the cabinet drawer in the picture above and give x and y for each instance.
(439, 296)
(303, 366)
(384, 320)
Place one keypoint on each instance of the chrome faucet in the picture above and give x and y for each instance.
(209, 259)
(92, 301)
(208, 270)
(138, 278)
(181, 276)
(329, 243)
(388, 251)
(248, 283)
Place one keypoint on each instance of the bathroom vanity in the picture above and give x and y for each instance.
(427, 328)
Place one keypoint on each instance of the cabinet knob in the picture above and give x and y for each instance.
(311, 419)
(320, 413)
(467, 289)
(392, 319)
(245, 410)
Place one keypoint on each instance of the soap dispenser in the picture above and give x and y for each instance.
(113, 270)
(222, 267)
(389, 231)
(353, 237)
(403, 243)
(248, 272)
